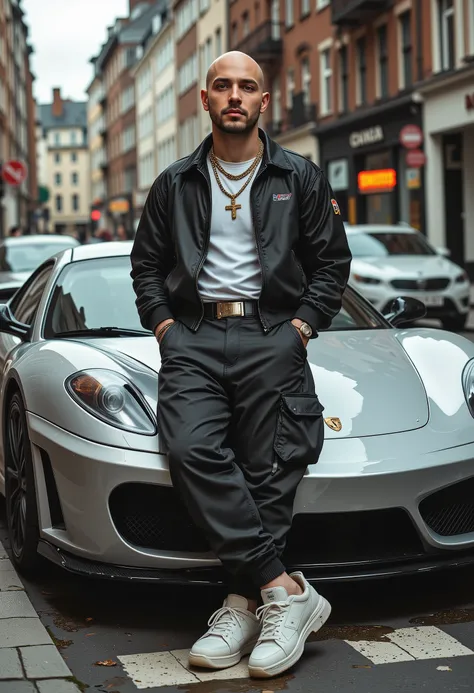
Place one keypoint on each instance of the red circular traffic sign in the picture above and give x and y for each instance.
(411, 136)
(14, 172)
(415, 158)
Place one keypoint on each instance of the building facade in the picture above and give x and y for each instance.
(17, 118)
(211, 42)
(64, 165)
(156, 123)
(97, 151)
(448, 124)
(186, 15)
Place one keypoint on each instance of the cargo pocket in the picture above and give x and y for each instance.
(299, 435)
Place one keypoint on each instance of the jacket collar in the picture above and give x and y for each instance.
(273, 155)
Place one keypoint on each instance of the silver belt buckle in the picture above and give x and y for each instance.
(230, 310)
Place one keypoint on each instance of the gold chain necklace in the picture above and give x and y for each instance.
(233, 207)
(232, 176)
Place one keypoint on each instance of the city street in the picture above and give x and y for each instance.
(384, 636)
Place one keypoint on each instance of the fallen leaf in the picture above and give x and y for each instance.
(89, 619)
(106, 663)
(361, 666)
(444, 668)
(89, 634)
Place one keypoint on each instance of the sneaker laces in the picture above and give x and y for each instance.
(223, 620)
(271, 616)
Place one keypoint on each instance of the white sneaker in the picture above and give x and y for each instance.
(232, 634)
(287, 621)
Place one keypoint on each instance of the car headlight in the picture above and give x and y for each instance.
(468, 385)
(366, 280)
(112, 398)
(462, 278)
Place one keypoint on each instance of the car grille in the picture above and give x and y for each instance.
(432, 284)
(450, 512)
(153, 517)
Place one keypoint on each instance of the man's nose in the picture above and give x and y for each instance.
(235, 94)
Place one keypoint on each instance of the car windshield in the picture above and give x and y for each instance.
(92, 294)
(383, 243)
(26, 257)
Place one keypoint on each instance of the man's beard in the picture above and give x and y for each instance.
(236, 127)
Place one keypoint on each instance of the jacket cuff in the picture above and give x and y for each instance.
(158, 315)
(315, 319)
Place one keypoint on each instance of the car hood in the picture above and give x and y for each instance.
(406, 266)
(14, 278)
(364, 378)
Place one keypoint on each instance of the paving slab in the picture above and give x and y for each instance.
(3, 553)
(57, 686)
(15, 605)
(10, 665)
(9, 580)
(17, 687)
(43, 661)
(5, 563)
(17, 632)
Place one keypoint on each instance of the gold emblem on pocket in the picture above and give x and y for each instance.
(333, 422)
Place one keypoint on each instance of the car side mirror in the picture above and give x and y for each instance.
(11, 326)
(405, 309)
(444, 252)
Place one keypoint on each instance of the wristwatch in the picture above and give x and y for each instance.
(305, 330)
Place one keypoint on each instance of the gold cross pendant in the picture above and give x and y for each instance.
(233, 208)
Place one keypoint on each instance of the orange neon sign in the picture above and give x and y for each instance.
(382, 180)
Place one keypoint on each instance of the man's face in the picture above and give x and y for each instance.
(235, 97)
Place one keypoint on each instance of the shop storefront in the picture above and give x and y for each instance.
(375, 163)
(449, 129)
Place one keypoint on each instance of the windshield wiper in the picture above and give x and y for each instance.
(104, 332)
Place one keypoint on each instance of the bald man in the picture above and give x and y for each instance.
(240, 258)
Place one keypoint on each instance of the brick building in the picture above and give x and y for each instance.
(17, 116)
(186, 14)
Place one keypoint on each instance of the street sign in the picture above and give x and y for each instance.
(411, 136)
(14, 172)
(43, 194)
(415, 158)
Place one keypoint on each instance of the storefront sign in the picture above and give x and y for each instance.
(338, 174)
(470, 101)
(382, 180)
(411, 136)
(415, 158)
(413, 178)
(119, 206)
(364, 137)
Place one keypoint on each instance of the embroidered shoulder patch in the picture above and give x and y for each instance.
(281, 197)
(335, 206)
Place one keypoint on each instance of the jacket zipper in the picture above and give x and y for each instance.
(206, 248)
(257, 245)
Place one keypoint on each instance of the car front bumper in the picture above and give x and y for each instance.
(360, 512)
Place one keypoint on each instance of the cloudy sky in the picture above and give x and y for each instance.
(65, 35)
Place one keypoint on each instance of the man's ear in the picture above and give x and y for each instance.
(205, 99)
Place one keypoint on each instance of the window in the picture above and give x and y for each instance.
(326, 79)
(128, 141)
(276, 100)
(73, 137)
(321, 4)
(165, 55)
(406, 76)
(57, 158)
(166, 153)
(343, 80)
(218, 43)
(305, 7)
(186, 16)
(204, 5)
(275, 17)
(187, 74)
(59, 203)
(144, 81)
(145, 123)
(290, 87)
(165, 104)
(57, 138)
(57, 179)
(146, 166)
(245, 24)
(26, 304)
(75, 203)
(289, 13)
(257, 13)
(306, 80)
(74, 178)
(127, 99)
(129, 180)
(73, 157)
(446, 39)
(361, 71)
(235, 34)
(382, 50)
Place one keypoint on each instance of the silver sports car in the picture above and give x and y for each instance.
(87, 485)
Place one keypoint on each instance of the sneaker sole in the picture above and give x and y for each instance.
(223, 662)
(316, 622)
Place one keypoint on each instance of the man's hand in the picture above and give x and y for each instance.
(297, 323)
(158, 330)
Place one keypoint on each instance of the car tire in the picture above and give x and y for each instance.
(455, 323)
(20, 490)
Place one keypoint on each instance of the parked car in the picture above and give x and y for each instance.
(389, 260)
(20, 255)
(87, 484)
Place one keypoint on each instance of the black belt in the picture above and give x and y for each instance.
(230, 309)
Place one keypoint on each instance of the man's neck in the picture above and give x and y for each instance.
(235, 148)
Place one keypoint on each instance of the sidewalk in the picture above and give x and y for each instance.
(29, 660)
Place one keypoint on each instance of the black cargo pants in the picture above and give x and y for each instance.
(239, 417)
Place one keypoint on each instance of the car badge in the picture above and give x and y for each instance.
(333, 422)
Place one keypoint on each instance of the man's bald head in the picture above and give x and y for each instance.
(235, 60)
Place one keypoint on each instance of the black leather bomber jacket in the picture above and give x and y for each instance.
(300, 237)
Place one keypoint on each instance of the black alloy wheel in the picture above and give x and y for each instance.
(20, 489)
